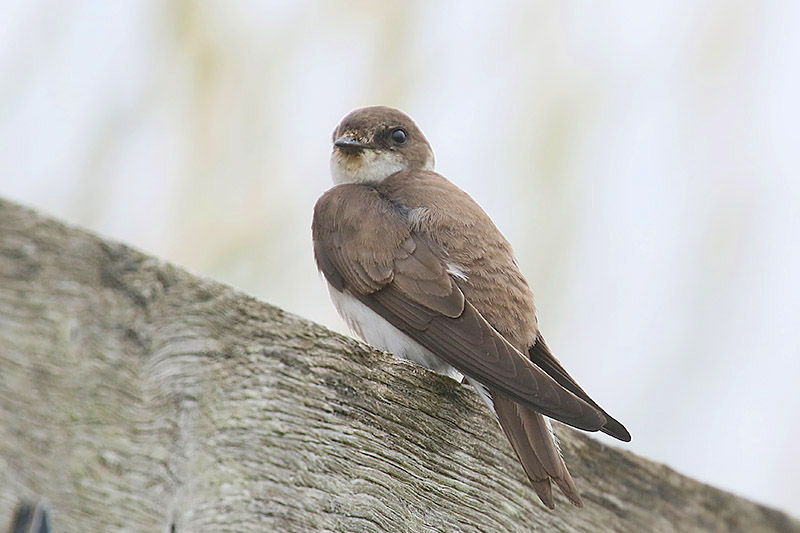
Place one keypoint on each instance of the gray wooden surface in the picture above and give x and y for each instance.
(135, 396)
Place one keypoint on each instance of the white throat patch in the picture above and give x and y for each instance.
(369, 165)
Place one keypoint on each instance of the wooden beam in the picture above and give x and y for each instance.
(135, 396)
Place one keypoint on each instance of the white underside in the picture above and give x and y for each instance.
(378, 332)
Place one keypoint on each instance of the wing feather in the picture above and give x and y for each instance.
(370, 250)
(542, 357)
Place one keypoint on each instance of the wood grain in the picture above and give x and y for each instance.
(137, 397)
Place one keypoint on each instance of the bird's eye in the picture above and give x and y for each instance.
(399, 136)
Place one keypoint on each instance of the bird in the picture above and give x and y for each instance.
(415, 267)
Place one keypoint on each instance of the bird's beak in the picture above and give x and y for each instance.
(350, 144)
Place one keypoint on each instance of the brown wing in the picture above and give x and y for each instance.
(541, 356)
(364, 245)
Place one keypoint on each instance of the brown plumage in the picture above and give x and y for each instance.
(417, 268)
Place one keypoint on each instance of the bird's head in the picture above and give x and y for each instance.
(372, 143)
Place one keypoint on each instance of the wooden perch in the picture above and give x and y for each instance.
(137, 397)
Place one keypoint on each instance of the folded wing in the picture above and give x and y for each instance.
(402, 275)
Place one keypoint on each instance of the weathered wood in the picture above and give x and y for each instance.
(135, 396)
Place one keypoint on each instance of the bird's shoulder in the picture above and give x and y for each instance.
(352, 203)
(437, 208)
(357, 236)
(430, 190)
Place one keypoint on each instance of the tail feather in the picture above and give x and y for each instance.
(532, 439)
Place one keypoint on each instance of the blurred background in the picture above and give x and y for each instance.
(641, 157)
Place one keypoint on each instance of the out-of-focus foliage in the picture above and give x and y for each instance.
(641, 157)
